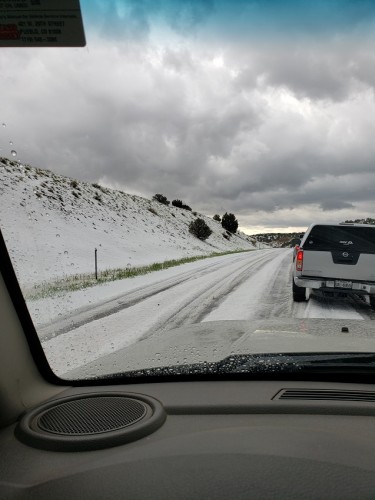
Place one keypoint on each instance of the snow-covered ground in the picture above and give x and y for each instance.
(52, 225)
(249, 286)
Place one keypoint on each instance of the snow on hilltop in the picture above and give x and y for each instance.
(52, 225)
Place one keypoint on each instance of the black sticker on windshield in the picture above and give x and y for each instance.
(41, 23)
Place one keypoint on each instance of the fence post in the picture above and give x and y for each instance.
(96, 264)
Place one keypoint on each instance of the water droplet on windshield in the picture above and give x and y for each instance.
(4, 124)
(13, 152)
(57, 236)
(11, 143)
(66, 252)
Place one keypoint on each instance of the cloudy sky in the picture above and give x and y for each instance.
(261, 108)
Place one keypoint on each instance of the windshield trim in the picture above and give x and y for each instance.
(16, 296)
(355, 375)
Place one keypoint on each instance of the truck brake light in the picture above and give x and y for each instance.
(299, 260)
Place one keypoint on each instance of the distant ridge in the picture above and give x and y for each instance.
(278, 240)
(368, 220)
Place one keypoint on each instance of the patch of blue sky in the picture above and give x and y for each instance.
(231, 18)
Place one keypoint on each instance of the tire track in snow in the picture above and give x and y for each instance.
(248, 286)
(113, 333)
(327, 308)
(209, 296)
(263, 295)
(115, 305)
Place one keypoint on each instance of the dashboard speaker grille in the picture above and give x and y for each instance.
(91, 421)
(92, 415)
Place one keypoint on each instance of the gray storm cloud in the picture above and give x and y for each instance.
(236, 127)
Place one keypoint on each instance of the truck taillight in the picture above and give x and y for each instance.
(299, 260)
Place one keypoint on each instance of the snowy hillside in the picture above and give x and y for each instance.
(52, 225)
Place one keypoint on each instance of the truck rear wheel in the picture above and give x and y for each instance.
(299, 293)
(372, 301)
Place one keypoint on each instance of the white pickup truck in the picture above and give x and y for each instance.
(336, 259)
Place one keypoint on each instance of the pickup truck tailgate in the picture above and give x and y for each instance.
(339, 264)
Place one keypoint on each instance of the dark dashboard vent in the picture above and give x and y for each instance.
(326, 395)
(91, 421)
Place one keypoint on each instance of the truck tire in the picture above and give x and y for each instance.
(299, 293)
(372, 301)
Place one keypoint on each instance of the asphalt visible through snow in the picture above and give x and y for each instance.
(245, 286)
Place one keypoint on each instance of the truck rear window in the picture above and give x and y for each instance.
(358, 239)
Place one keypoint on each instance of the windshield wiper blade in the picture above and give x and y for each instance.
(302, 362)
(337, 362)
(265, 365)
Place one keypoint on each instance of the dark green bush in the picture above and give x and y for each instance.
(229, 222)
(161, 199)
(180, 204)
(200, 229)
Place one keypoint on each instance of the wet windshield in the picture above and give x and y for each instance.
(154, 182)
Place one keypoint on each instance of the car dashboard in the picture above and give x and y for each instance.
(219, 439)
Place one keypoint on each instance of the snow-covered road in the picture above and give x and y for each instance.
(243, 286)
